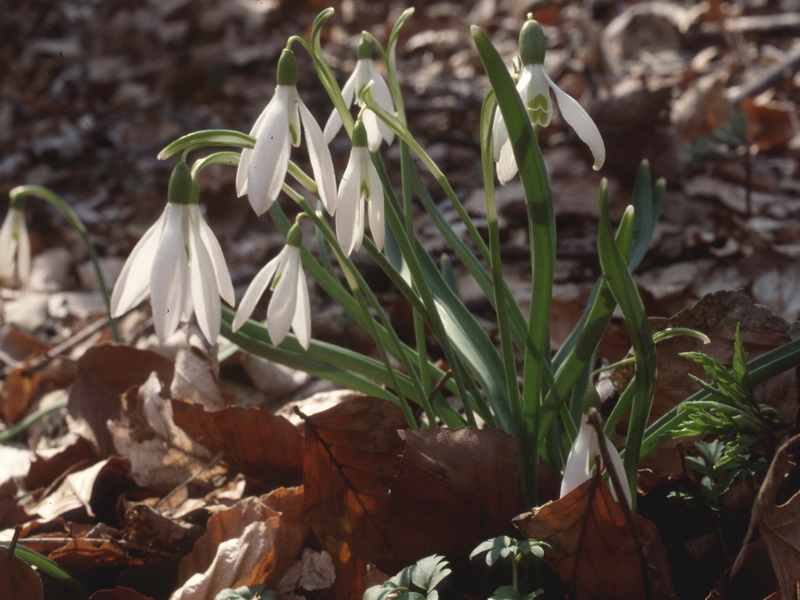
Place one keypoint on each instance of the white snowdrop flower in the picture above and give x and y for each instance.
(15, 246)
(360, 185)
(365, 71)
(179, 263)
(580, 465)
(289, 307)
(262, 170)
(534, 87)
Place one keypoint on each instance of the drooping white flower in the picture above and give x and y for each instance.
(179, 263)
(580, 466)
(360, 185)
(289, 307)
(365, 71)
(262, 170)
(15, 246)
(534, 87)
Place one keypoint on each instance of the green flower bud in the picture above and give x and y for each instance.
(295, 236)
(364, 50)
(359, 134)
(287, 68)
(180, 190)
(591, 399)
(532, 45)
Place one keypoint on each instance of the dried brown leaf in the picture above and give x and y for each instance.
(94, 489)
(350, 460)
(104, 373)
(454, 489)
(776, 516)
(17, 578)
(593, 549)
(254, 442)
(119, 593)
(253, 542)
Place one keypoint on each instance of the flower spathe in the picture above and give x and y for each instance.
(364, 72)
(360, 185)
(15, 247)
(534, 88)
(179, 263)
(289, 307)
(580, 465)
(262, 170)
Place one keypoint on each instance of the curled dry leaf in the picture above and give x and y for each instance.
(593, 549)
(264, 447)
(350, 460)
(17, 578)
(95, 489)
(253, 542)
(776, 517)
(104, 373)
(454, 488)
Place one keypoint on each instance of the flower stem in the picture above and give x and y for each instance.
(45, 194)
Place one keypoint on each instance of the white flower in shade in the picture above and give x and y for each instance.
(534, 87)
(289, 306)
(360, 185)
(15, 247)
(179, 263)
(365, 71)
(262, 170)
(580, 466)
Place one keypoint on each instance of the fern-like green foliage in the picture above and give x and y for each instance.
(739, 431)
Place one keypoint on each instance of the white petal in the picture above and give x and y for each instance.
(506, 163)
(254, 292)
(499, 133)
(169, 277)
(23, 251)
(581, 122)
(374, 133)
(534, 82)
(133, 284)
(320, 157)
(221, 274)
(580, 461)
(283, 303)
(301, 323)
(270, 158)
(246, 155)
(347, 202)
(205, 291)
(334, 123)
(8, 248)
(375, 207)
(384, 97)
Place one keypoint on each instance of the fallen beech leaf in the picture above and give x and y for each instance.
(350, 460)
(162, 456)
(95, 489)
(119, 593)
(104, 373)
(17, 578)
(454, 489)
(254, 442)
(253, 542)
(777, 519)
(314, 571)
(592, 548)
(51, 463)
(16, 394)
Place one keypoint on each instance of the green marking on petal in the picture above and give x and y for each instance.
(295, 135)
(539, 109)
